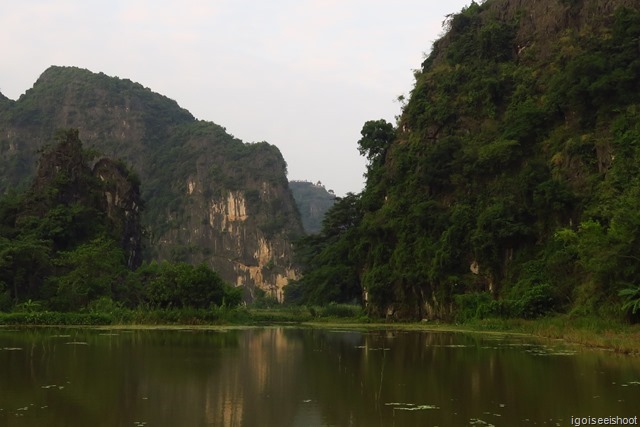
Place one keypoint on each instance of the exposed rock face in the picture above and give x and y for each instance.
(209, 197)
(236, 235)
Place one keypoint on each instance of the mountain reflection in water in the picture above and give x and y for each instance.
(304, 377)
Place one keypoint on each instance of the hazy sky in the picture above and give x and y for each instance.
(303, 75)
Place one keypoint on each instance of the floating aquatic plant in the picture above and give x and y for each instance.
(410, 406)
(416, 408)
(479, 422)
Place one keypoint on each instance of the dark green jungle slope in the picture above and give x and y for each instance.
(510, 184)
(209, 197)
(73, 231)
(313, 201)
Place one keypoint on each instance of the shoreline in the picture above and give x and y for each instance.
(586, 332)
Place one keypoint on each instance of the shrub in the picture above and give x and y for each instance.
(631, 305)
(341, 310)
(535, 302)
(55, 318)
(474, 306)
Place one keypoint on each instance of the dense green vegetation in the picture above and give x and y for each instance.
(106, 311)
(62, 246)
(509, 185)
(328, 259)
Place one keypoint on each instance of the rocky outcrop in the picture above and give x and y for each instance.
(122, 203)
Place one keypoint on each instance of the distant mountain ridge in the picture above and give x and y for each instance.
(209, 196)
(313, 201)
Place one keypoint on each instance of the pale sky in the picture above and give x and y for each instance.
(303, 75)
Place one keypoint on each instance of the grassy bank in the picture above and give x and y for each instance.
(187, 316)
(586, 331)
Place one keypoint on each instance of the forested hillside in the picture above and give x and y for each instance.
(509, 185)
(209, 197)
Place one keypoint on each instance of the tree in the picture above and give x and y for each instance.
(184, 285)
(24, 265)
(329, 259)
(88, 272)
(377, 136)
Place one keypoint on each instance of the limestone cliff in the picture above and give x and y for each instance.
(209, 197)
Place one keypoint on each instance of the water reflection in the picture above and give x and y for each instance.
(304, 377)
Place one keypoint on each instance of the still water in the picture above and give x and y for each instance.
(305, 377)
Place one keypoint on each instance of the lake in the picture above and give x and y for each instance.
(278, 376)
